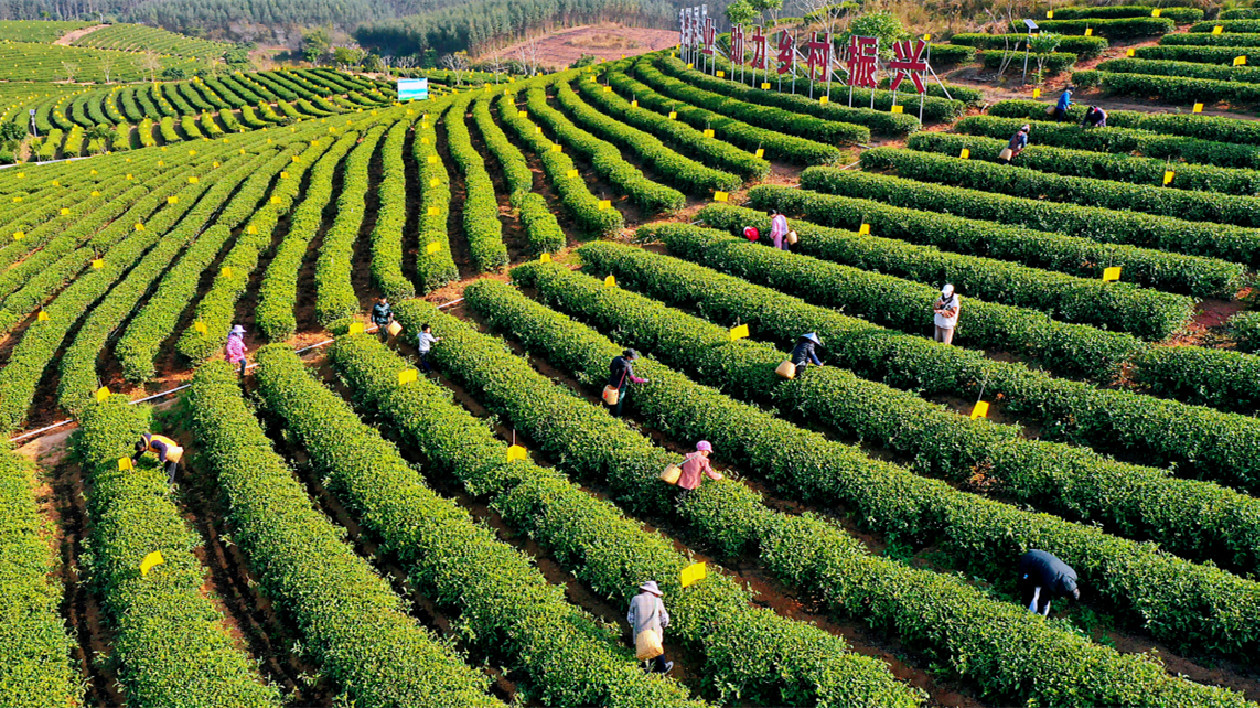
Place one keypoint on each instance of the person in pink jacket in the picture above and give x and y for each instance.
(234, 351)
(778, 228)
(694, 465)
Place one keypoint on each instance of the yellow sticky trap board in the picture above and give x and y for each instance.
(898, 109)
(192, 180)
(434, 181)
(18, 235)
(721, 74)
(151, 560)
(964, 154)
(43, 316)
(226, 272)
(1240, 60)
(295, 158)
(765, 85)
(284, 174)
(65, 211)
(124, 464)
(823, 100)
(516, 452)
(356, 328)
(610, 282)
(522, 114)
(1198, 108)
(1130, 52)
(172, 199)
(721, 197)
(555, 147)
(571, 173)
(634, 103)
(608, 89)
(1111, 274)
(605, 204)
(1217, 29)
(433, 211)
(424, 141)
(1155, 12)
(1168, 176)
(199, 327)
(691, 66)
(275, 199)
(864, 229)
(544, 258)
(693, 574)
(407, 376)
(215, 164)
(760, 153)
(981, 410)
(139, 227)
(708, 133)
(927, 37)
(252, 230)
(1089, 31)
(98, 263)
(673, 115)
(738, 333)
(432, 248)
(433, 159)
(102, 393)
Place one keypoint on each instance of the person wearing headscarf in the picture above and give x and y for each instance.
(234, 350)
(945, 314)
(804, 353)
(778, 229)
(647, 614)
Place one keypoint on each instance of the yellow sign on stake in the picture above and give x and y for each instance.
(610, 282)
(739, 332)
(693, 574)
(1217, 29)
(1111, 274)
(199, 327)
(721, 197)
(964, 154)
(102, 393)
(544, 258)
(1198, 108)
(981, 410)
(125, 463)
(407, 376)
(433, 248)
(864, 229)
(516, 452)
(151, 560)
(1168, 176)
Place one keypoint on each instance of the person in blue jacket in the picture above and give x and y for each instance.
(1042, 578)
(1065, 102)
(804, 352)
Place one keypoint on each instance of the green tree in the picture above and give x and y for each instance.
(347, 56)
(372, 63)
(763, 6)
(315, 44)
(740, 12)
(875, 24)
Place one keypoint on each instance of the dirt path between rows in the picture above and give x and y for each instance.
(72, 36)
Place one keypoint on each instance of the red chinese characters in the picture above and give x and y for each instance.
(737, 44)
(908, 61)
(710, 36)
(818, 59)
(862, 61)
(787, 52)
(761, 49)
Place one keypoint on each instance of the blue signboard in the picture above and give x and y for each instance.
(409, 89)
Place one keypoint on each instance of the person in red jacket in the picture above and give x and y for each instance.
(696, 464)
(234, 350)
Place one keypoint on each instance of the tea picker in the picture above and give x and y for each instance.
(648, 619)
(1042, 578)
(620, 375)
(168, 451)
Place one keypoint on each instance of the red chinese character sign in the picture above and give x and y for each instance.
(818, 59)
(737, 44)
(908, 61)
(710, 37)
(761, 49)
(862, 61)
(787, 52)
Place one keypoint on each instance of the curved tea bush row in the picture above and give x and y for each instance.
(677, 134)
(481, 207)
(1103, 165)
(1180, 15)
(137, 349)
(1101, 224)
(1201, 277)
(133, 37)
(1201, 442)
(746, 651)
(391, 218)
(775, 144)
(43, 31)
(1196, 54)
(684, 173)
(1232, 26)
(35, 646)
(768, 117)
(1169, 88)
(1052, 63)
(880, 121)
(353, 623)
(890, 596)
(1212, 140)
(1240, 14)
(1090, 301)
(335, 297)
(434, 265)
(953, 53)
(1242, 74)
(900, 304)
(1020, 182)
(217, 308)
(1185, 603)
(508, 605)
(1207, 39)
(1226, 380)
(278, 292)
(171, 643)
(604, 157)
(78, 381)
(583, 206)
(1118, 28)
(542, 231)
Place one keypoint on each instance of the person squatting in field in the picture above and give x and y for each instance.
(168, 451)
(1042, 578)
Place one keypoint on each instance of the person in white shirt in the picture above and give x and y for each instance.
(945, 314)
(424, 344)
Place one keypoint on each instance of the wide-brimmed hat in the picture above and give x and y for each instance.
(650, 586)
(813, 337)
(238, 329)
(947, 290)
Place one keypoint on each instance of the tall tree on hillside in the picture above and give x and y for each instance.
(150, 62)
(315, 44)
(530, 56)
(106, 61)
(456, 62)
(71, 69)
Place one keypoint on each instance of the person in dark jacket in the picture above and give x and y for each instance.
(1042, 578)
(168, 451)
(1095, 117)
(382, 315)
(620, 376)
(804, 352)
